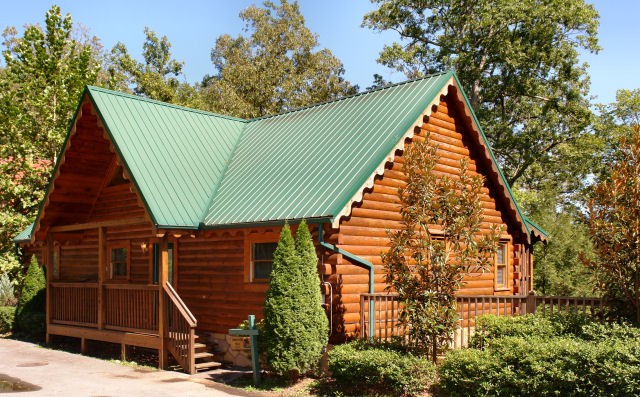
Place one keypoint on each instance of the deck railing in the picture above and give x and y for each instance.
(180, 330)
(387, 308)
(131, 307)
(74, 303)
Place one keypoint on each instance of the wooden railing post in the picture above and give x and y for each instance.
(162, 306)
(102, 266)
(531, 302)
(48, 259)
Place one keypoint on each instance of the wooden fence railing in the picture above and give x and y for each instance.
(74, 304)
(180, 330)
(131, 307)
(387, 308)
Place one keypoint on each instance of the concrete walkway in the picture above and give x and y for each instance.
(59, 373)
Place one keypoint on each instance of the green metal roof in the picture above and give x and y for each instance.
(310, 162)
(176, 156)
(197, 169)
(24, 235)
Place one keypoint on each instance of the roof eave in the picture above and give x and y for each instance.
(273, 222)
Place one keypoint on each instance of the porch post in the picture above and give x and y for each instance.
(101, 271)
(162, 320)
(48, 259)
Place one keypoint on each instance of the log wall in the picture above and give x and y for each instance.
(364, 232)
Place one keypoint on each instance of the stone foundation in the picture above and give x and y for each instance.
(229, 349)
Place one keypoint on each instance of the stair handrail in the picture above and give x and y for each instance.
(182, 307)
(181, 344)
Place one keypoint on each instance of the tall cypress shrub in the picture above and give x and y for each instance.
(30, 312)
(295, 329)
(315, 318)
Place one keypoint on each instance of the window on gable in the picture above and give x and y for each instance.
(262, 260)
(501, 266)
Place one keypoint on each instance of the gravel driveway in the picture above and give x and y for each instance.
(59, 373)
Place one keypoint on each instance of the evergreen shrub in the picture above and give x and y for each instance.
(295, 324)
(30, 312)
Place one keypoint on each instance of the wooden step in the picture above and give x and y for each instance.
(199, 346)
(202, 355)
(207, 365)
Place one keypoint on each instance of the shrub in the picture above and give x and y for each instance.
(360, 366)
(30, 312)
(490, 327)
(7, 293)
(7, 315)
(563, 366)
(295, 325)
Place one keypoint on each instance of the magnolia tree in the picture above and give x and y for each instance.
(441, 239)
(614, 225)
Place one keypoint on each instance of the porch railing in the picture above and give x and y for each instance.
(131, 307)
(74, 303)
(180, 330)
(387, 308)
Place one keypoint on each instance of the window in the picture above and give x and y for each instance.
(119, 261)
(262, 260)
(501, 266)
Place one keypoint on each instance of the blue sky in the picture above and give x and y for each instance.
(193, 25)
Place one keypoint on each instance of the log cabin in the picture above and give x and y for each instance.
(160, 221)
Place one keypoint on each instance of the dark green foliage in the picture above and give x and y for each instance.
(568, 355)
(360, 366)
(490, 328)
(30, 312)
(316, 321)
(7, 315)
(519, 62)
(295, 328)
(561, 366)
(558, 268)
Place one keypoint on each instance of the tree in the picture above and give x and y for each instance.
(295, 326)
(276, 68)
(558, 267)
(157, 77)
(614, 209)
(30, 312)
(440, 241)
(518, 61)
(45, 72)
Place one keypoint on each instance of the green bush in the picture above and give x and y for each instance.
(568, 354)
(7, 315)
(558, 366)
(296, 327)
(360, 366)
(490, 327)
(30, 312)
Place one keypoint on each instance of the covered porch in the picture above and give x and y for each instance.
(112, 281)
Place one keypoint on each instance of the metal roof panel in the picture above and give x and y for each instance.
(308, 163)
(176, 156)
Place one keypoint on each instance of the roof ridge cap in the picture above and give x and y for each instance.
(431, 75)
(161, 103)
